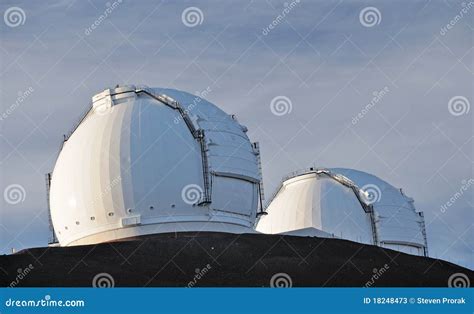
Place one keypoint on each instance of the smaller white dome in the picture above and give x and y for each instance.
(348, 204)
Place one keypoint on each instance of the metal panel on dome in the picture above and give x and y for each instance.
(230, 163)
(396, 219)
(336, 202)
(126, 168)
(234, 196)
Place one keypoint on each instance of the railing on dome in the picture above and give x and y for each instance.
(78, 123)
(423, 231)
(290, 175)
(280, 184)
(206, 198)
(198, 134)
(256, 149)
(340, 178)
(52, 239)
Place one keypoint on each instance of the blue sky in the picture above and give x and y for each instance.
(319, 55)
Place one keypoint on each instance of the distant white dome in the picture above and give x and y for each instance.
(145, 161)
(348, 204)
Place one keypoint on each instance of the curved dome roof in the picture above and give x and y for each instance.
(395, 214)
(388, 192)
(346, 203)
(147, 160)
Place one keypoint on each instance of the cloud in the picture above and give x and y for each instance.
(319, 56)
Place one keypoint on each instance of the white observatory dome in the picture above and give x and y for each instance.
(153, 160)
(348, 204)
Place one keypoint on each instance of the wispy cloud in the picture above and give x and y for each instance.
(319, 56)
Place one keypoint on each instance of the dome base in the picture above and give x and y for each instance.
(140, 230)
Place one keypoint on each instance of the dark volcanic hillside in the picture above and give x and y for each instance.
(218, 259)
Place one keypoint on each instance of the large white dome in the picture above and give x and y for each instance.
(150, 160)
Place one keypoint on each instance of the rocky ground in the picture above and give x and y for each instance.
(210, 259)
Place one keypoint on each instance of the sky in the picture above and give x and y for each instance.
(303, 86)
